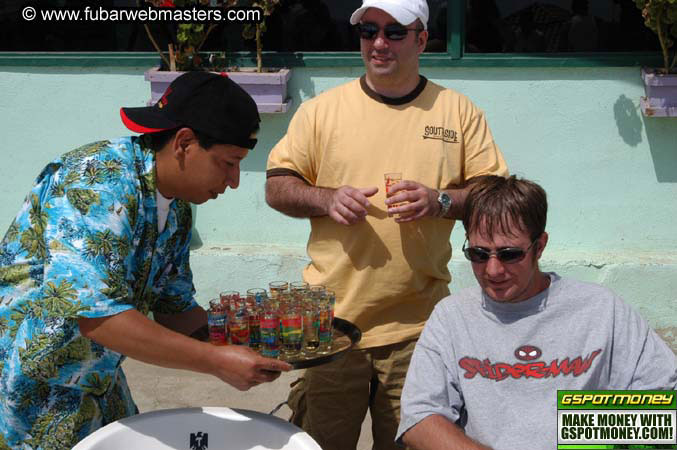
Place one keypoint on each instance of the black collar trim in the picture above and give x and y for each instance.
(393, 100)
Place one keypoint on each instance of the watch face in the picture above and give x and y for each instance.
(445, 203)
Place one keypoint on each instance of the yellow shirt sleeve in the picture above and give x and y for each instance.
(296, 150)
(482, 155)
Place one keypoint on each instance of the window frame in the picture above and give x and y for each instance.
(453, 57)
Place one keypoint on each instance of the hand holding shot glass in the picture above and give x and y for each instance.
(391, 179)
(409, 200)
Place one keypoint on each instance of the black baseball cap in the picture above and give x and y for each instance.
(204, 101)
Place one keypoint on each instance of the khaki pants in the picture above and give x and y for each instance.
(330, 401)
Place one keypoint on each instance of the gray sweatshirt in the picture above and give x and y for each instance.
(496, 368)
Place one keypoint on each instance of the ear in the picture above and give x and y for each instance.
(422, 41)
(541, 242)
(182, 142)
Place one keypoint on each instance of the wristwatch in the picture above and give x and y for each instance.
(445, 203)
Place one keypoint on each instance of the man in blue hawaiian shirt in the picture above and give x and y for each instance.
(102, 240)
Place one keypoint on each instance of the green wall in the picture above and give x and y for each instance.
(610, 173)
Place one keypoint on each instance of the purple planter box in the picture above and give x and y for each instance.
(268, 89)
(661, 94)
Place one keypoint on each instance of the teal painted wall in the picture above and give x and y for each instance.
(610, 173)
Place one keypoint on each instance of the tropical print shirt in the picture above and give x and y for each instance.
(84, 244)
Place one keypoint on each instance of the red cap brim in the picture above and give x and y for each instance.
(131, 118)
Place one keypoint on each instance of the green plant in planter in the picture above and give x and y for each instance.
(255, 31)
(190, 38)
(661, 17)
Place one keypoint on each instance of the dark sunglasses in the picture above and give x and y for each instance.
(393, 32)
(508, 255)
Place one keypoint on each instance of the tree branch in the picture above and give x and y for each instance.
(152, 40)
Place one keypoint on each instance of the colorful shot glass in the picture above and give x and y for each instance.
(217, 319)
(297, 286)
(270, 330)
(238, 321)
(227, 298)
(317, 291)
(392, 179)
(291, 324)
(255, 301)
(311, 325)
(276, 288)
(326, 317)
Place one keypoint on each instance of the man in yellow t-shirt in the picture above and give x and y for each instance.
(386, 258)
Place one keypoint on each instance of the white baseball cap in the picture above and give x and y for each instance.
(404, 11)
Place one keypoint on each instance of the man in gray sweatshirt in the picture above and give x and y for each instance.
(490, 360)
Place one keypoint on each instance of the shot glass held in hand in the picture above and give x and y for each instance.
(391, 179)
